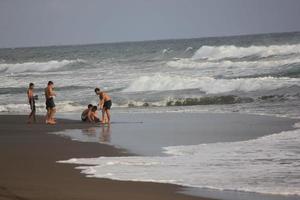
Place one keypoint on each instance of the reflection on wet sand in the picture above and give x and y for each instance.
(89, 131)
(105, 133)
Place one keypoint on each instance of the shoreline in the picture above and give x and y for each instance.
(165, 129)
(29, 170)
(48, 179)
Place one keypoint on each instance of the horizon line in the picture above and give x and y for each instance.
(150, 40)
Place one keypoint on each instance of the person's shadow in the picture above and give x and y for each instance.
(105, 134)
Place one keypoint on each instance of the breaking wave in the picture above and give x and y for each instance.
(231, 51)
(208, 85)
(52, 65)
(22, 90)
(62, 106)
(241, 65)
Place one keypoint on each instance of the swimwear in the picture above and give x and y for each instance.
(107, 104)
(32, 104)
(50, 103)
(84, 117)
(97, 120)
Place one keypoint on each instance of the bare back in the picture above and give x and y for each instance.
(48, 93)
(30, 94)
(105, 97)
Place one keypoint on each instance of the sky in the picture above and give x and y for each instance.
(62, 22)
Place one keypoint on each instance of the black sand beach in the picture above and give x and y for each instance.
(29, 170)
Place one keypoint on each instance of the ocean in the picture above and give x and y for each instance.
(254, 74)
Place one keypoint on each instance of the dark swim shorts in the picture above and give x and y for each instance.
(32, 105)
(84, 117)
(107, 104)
(50, 103)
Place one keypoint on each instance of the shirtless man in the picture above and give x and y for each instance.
(50, 105)
(31, 101)
(105, 104)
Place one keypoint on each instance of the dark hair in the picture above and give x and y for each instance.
(50, 83)
(94, 108)
(90, 105)
(31, 84)
(97, 90)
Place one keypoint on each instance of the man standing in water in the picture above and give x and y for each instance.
(50, 105)
(105, 105)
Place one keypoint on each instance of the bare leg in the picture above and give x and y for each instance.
(52, 113)
(30, 116)
(108, 115)
(48, 115)
(103, 116)
(34, 117)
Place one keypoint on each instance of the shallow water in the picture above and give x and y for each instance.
(232, 152)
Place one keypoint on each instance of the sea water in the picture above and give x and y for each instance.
(257, 74)
(268, 165)
(253, 74)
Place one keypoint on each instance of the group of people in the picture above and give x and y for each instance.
(88, 115)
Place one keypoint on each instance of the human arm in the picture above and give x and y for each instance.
(29, 95)
(90, 116)
(51, 92)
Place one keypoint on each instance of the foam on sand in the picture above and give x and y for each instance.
(268, 165)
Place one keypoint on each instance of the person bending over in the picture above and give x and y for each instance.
(85, 113)
(93, 115)
(105, 104)
(50, 105)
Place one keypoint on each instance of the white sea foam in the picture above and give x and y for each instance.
(239, 66)
(231, 51)
(208, 84)
(62, 106)
(188, 49)
(36, 66)
(269, 165)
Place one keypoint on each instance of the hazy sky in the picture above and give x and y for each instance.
(55, 22)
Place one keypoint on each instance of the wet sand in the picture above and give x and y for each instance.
(28, 168)
(146, 134)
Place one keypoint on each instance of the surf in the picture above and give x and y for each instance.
(209, 85)
(53, 65)
(263, 165)
(232, 51)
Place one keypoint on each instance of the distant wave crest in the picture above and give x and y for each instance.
(231, 51)
(52, 65)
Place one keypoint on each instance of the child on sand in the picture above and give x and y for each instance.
(105, 104)
(31, 101)
(93, 115)
(85, 113)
